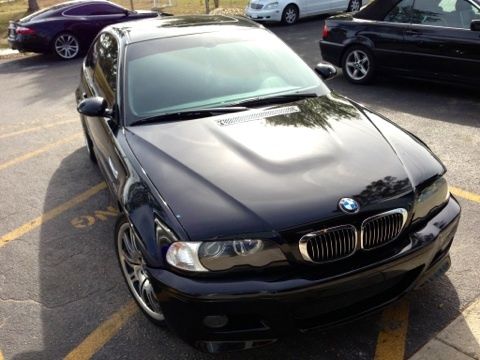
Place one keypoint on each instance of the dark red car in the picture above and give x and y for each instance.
(68, 29)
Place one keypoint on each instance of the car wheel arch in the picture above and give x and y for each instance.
(142, 218)
(358, 41)
(291, 4)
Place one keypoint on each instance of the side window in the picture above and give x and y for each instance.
(105, 51)
(448, 13)
(105, 9)
(79, 11)
(95, 9)
(401, 13)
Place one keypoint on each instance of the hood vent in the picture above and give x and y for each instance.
(232, 119)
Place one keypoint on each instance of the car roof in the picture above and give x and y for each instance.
(172, 26)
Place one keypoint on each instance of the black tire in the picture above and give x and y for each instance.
(354, 5)
(358, 65)
(89, 146)
(290, 14)
(66, 46)
(122, 227)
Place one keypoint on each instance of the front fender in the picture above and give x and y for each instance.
(421, 164)
(141, 203)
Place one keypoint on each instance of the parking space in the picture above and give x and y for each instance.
(61, 291)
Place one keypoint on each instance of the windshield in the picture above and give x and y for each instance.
(211, 69)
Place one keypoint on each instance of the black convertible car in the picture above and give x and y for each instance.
(67, 29)
(432, 39)
(255, 202)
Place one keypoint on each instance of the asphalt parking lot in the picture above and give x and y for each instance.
(61, 291)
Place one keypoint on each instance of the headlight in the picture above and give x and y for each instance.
(223, 255)
(434, 195)
(272, 5)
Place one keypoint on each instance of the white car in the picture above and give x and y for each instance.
(289, 11)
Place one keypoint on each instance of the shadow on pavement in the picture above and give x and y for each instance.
(41, 84)
(435, 101)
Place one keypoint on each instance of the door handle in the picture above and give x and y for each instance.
(112, 168)
(412, 32)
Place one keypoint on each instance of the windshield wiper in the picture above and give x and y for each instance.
(275, 99)
(189, 114)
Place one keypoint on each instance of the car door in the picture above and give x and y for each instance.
(388, 35)
(100, 79)
(323, 6)
(439, 42)
(80, 24)
(103, 14)
(89, 19)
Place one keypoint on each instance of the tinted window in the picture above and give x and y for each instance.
(105, 9)
(105, 62)
(401, 12)
(95, 9)
(215, 69)
(449, 13)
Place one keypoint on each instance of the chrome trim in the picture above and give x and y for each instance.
(401, 211)
(252, 115)
(302, 243)
(112, 168)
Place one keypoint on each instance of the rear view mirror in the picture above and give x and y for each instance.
(94, 106)
(475, 25)
(325, 70)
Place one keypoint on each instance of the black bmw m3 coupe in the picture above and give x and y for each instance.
(255, 201)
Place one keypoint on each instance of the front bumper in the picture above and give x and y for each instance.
(264, 15)
(260, 311)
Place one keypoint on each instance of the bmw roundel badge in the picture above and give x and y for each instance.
(348, 205)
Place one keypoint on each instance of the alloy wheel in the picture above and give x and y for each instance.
(134, 269)
(357, 64)
(66, 46)
(290, 15)
(355, 5)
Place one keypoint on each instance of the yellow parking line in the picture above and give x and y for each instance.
(102, 334)
(1, 355)
(51, 214)
(37, 152)
(464, 194)
(36, 128)
(391, 339)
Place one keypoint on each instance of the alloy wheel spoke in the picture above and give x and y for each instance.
(134, 270)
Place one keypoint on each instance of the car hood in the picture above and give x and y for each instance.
(269, 169)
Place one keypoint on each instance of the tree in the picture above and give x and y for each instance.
(216, 3)
(32, 6)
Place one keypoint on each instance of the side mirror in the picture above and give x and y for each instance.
(475, 25)
(94, 106)
(325, 70)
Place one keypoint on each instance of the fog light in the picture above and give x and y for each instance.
(215, 321)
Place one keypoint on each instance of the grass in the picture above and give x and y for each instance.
(17, 8)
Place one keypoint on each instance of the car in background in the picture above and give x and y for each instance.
(289, 11)
(255, 202)
(67, 29)
(431, 39)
